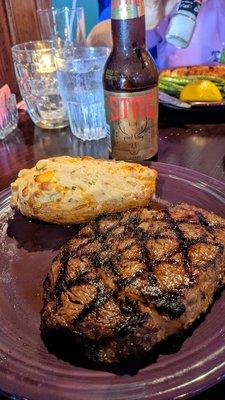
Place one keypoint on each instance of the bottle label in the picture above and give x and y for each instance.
(127, 9)
(133, 124)
(192, 6)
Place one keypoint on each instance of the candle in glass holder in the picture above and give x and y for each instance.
(45, 64)
(36, 74)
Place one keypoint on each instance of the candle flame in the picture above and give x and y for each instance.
(46, 64)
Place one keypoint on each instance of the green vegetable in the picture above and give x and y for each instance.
(178, 80)
(173, 85)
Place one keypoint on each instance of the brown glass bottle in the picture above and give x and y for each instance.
(130, 83)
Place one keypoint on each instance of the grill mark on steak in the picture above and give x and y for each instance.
(164, 301)
(99, 299)
(184, 243)
(111, 265)
(103, 217)
(136, 316)
(96, 259)
(130, 308)
(132, 223)
(169, 303)
(146, 258)
(204, 222)
(173, 308)
(60, 283)
(78, 280)
(128, 281)
(61, 276)
(181, 240)
(162, 238)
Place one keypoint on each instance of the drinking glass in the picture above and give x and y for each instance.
(36, 75)
(8, 115)
(79, 72)
(64, 24)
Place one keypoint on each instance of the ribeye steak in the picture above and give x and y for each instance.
(129, 280)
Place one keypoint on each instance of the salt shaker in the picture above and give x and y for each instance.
(182, 24)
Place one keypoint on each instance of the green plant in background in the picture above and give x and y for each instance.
(90, 8)
(222, 57)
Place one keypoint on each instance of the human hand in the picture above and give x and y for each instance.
(100, 34)
(156, 10)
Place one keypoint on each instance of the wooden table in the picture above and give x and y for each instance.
(197, 146)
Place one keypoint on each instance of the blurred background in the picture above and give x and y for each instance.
(91, 9)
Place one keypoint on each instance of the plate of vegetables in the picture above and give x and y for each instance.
(193, 86)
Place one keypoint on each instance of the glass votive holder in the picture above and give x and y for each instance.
(8, 115)
(36, 75)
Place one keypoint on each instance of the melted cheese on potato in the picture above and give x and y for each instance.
(68, 190)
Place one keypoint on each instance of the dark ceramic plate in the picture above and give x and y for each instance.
(197, 106)
(178, 116)
(28, 370)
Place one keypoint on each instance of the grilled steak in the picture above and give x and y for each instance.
(129, 280)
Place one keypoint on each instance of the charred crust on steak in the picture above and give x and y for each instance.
(59, 286)
(127, 279)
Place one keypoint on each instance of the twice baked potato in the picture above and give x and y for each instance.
(67, 190)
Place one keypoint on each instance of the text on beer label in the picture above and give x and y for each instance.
(137, 107)
(132, 119)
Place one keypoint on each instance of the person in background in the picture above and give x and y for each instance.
(104, 9)
(208, 38)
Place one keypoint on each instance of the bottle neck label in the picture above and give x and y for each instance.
(127, 9)
(133, 123)
(192, 6)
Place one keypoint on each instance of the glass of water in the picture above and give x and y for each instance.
(35, 69)
(79, 72)
(66, 24)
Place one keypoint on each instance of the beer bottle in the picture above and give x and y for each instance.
(130, 85)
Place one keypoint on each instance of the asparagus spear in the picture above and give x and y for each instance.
(188, 78)
(174, 84)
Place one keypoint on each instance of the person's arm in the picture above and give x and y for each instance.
(155, 11)
(100, 34)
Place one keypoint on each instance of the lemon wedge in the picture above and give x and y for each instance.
(202, 90)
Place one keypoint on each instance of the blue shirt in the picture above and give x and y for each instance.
(103, 4)
(105, 14)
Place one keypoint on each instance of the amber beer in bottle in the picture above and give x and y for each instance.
(130, 85)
